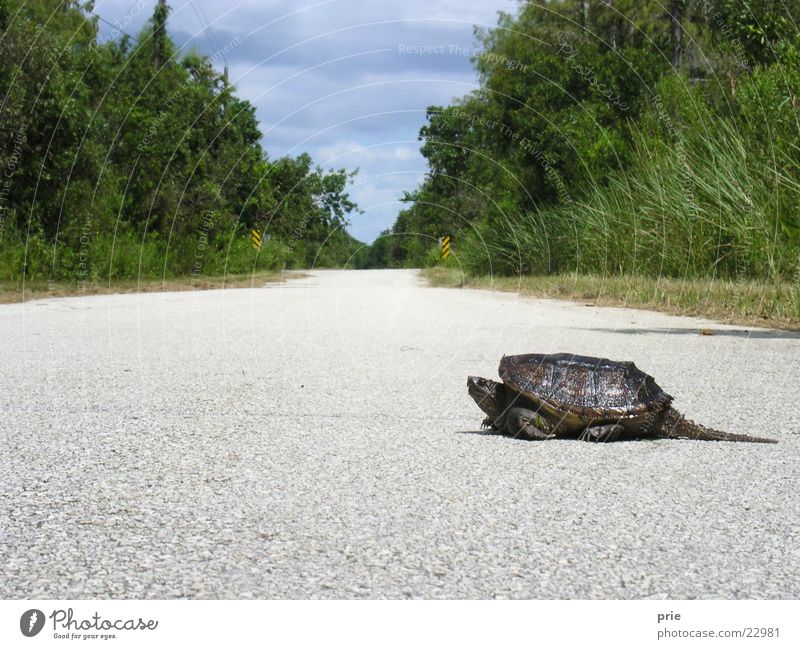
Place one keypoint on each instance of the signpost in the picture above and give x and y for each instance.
(444, 246)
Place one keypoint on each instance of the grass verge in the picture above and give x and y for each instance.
(753, 303)
(35, 290)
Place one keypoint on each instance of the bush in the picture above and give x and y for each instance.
(697, 201)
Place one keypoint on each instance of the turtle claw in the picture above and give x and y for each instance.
(602, 433)
(532, 432)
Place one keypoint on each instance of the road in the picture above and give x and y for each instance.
(315, 439)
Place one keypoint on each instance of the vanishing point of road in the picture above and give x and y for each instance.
(315, 439)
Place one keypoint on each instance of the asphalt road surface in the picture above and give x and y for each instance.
(315, 439)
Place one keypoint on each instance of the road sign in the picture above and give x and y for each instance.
(444, 245)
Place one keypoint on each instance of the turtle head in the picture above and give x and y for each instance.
(489, 395)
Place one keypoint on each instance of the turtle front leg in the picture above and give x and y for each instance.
(523, 422)
(603, 433)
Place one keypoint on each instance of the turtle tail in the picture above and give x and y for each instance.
(675, 426)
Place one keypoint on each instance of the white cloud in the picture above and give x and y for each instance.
(329, 77)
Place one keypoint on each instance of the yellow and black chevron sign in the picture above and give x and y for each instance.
(444, 244)
(255, 237)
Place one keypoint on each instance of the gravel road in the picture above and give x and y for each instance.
(315, 439)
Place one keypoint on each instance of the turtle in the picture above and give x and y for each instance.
(545, 396)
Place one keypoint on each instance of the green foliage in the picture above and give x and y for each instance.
(585, 151)
(759, 29)
(122, 160)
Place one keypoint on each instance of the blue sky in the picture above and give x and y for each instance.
(344, 80)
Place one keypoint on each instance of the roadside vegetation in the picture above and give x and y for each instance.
(627, 144)
(36, 290)
(635, 151)
(753, 303)
(126, 160)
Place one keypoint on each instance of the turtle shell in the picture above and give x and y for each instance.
(580, 390)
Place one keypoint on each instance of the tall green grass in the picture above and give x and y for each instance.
(127, 255)
(706, 206)
(711, 203)
(108, 257)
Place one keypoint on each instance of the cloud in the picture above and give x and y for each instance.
(348, 81)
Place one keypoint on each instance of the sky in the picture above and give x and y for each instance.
(347, 81)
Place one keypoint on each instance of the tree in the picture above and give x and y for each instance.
(125, 143)
(676, 17)
(159, 21)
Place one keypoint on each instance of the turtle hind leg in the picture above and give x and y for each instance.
(603, 433)
(522, 422)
